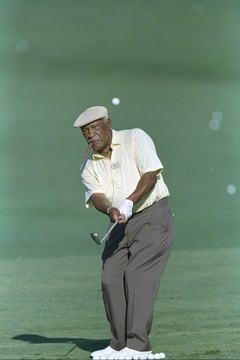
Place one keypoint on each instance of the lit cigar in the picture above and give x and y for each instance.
(87, 151)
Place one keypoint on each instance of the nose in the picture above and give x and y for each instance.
(90, 134)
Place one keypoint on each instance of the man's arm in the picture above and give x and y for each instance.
(100, 202)
(145, 184)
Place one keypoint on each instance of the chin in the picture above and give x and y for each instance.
(97, 148)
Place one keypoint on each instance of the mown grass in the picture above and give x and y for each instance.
(52, 308)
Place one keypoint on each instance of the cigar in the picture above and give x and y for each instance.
(87, 151)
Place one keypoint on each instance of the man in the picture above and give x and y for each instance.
(123, 180)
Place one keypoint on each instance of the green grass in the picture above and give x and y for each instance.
(52, 308)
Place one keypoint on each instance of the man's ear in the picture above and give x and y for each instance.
(109, 123)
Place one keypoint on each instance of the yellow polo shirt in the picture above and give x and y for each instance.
(133, 154)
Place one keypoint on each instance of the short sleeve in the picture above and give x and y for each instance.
(145, 153)
(91, 186)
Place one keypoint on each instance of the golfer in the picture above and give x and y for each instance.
(123, 180)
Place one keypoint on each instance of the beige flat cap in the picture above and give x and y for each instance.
(91, 114)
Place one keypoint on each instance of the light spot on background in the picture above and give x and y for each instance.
(231, 189)
(215, 122)
(217, 115)
(22, 46)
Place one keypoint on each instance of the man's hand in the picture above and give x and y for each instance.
(125, 209)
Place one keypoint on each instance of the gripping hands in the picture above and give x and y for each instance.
(126, 209)
(121, 214)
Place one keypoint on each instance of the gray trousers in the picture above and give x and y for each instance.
(134, 259)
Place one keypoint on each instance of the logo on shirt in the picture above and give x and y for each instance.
(115, 165)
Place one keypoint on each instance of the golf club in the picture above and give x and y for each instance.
(95, 236)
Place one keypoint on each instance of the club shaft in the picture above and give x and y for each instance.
(108, 232)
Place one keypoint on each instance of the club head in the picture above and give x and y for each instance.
(95, 237)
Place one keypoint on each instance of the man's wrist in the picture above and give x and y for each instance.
(130, 202)
(108, 210)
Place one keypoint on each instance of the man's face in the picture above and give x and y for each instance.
(99, 134)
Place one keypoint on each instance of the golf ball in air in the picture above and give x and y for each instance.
(115, 101)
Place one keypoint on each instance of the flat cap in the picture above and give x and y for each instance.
(91, 114)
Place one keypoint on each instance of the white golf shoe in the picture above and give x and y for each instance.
(104, 353)
(127, 353)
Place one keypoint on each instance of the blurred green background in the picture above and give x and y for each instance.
(174, 65)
